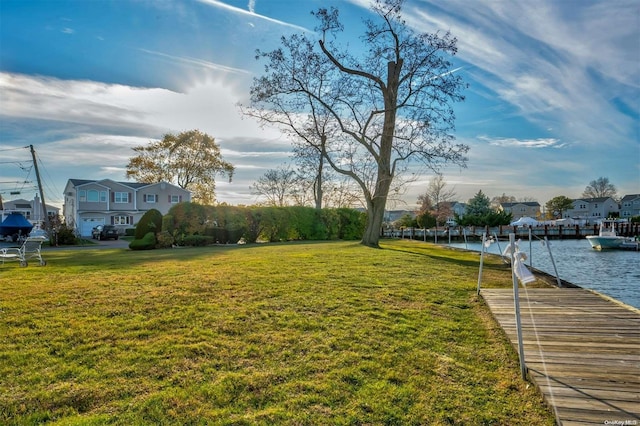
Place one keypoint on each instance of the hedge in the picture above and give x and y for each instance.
(229, 224)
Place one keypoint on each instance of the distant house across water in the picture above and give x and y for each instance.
(630, 206)
(592, 209)
(521, 209)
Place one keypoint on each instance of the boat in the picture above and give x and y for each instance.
(607, 237)
(14, 226)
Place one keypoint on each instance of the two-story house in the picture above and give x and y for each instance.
(630, 206)
(592, 209)
(521, 209)
(89, 203)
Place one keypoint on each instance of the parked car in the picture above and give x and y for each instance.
(104, 232)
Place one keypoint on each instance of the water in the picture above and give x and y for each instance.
(615, 273)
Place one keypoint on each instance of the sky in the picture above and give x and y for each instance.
(553, 100)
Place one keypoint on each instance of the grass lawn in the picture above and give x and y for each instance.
(296, 334)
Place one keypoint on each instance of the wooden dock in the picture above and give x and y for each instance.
(581, 350)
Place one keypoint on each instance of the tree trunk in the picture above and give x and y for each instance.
(378, 202)
(318, 189)
(375, 217)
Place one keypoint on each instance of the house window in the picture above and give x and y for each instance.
(121, 197)
(82, 195)
(150, 198)
(122, 220)
(92, 196)
(175, 199)
(103, 196)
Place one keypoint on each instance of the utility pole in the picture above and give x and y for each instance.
(44, 204)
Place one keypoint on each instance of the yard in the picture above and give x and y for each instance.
(296, 333)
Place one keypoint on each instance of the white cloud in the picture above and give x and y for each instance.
(197, 63)
(99, 123)
(524, 143)
(237, 10)
(552, 69)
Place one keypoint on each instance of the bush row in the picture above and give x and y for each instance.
(190, 224)
(229, 224)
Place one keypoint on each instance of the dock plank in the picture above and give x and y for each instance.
(581, 350)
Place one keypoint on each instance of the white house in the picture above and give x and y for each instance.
(630, 206)
(89, 203)
(592, 208)
(31, 210)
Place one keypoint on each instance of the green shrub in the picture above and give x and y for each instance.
(148, 242)
(164, 240)
(196, 240)
(63, 236)
(151, 221)
(187, 219)
(276, 224)
(331, 222)
(130, 232)
(352, 224)
(307, 224)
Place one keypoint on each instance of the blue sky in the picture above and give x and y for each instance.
(553, 99)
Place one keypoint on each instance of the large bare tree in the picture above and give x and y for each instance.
(369, 116)
(436, 199)
(599, 188)
(277, 186)
(191, 160)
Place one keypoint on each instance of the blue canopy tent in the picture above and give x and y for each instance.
(15, 225)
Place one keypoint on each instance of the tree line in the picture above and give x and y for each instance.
(435, 205)
(192, 224)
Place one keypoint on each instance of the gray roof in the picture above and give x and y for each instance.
(630, 197)
(526, 203)
(135, 185)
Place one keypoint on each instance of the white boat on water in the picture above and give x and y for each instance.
(607, 237)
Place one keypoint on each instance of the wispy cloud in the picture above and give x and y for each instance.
(532, 57)
(524, 143)
(221, 5)
(197, 62)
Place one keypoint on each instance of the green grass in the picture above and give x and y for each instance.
(293, 334)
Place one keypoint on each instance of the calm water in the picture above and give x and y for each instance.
(615, 273)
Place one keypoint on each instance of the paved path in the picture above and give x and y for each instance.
(581, 350)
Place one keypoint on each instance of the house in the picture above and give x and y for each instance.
(31, 210)
(448, 210)
(89, 203)
(521, 209)
(592, 208)
(393, 215)
(630, 206)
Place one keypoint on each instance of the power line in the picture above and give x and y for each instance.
(14, 149)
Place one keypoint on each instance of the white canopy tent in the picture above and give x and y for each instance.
(525, 221)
